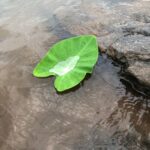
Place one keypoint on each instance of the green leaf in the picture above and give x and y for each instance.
(69, 60)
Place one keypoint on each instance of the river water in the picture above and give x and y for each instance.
(102, 113)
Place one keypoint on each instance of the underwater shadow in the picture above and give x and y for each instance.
(77, 87)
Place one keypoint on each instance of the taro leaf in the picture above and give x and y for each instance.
(69, 60)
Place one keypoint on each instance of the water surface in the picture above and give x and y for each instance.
(101, 113)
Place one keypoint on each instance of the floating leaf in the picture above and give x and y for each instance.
(69, 60)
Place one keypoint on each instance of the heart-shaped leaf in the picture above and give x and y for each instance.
(69, 60)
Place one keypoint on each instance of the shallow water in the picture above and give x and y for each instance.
(101, 113)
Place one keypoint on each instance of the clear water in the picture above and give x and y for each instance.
(65, 66)
(101, 113)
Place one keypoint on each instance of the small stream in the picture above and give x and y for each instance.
(107, 111)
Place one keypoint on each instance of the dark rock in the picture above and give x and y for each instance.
(142, 17)
(132, 47)
(141, 69)
(134, 50)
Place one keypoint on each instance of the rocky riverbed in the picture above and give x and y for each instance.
(108, 110)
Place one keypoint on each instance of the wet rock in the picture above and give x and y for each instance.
(141, 70)
(134, 50)
(132, 47)
(142, 17)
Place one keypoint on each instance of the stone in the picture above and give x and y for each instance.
(135, 51)
(141, 70)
